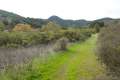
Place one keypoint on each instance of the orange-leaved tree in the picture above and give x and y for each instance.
(23, 27)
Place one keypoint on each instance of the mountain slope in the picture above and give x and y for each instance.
(11, 19)
(68, 23)
(108, 20)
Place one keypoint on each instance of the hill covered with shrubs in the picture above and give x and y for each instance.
(10, 19)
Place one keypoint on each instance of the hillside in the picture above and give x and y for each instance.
(69, 23)
(11, 19)
(108, 20)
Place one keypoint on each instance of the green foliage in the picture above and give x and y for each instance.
(74, 35)
(100, 23)
(11, 19)
(22, 39)
(51, 27)
(2, 26)
(97, 25)
(50, 33)
(36, 23)
(69, 23)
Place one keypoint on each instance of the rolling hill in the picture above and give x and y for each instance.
(11, 19)
(69, 23)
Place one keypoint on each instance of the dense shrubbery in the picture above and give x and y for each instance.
(19, 39)
(109, 48)
(74, 35)
(97, 25)
(23, 39)
(23, 35)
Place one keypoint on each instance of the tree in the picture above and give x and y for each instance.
(23, 27)
(97, 25)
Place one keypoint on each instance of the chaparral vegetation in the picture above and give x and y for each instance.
(58, 49)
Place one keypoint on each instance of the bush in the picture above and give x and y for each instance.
(28, 38)
(51, 27)
(2, 26)
(61, 44)
(97, 25)
(109, 48)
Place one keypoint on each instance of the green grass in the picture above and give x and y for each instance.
(82, 64)
(79, 62)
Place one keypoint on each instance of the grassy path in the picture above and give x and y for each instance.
(82, 64)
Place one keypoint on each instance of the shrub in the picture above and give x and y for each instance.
(2, 26)
(72, 35)
(3, 38)
(51, 27)
(61, 44)
(28, 38)
(109, 48)
(97, 25)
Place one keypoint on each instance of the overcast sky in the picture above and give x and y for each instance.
(67, 9)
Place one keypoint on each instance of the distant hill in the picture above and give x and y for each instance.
(5, 14)
(108, 20)
(11, 19)
(69, 23)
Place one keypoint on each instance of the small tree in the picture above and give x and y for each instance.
(97, 28)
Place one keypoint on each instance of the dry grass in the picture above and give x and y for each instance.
(109, 48)
(12, 56)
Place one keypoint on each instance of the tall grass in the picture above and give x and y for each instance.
(15, 56)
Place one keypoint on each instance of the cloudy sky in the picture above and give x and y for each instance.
(67, 9)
